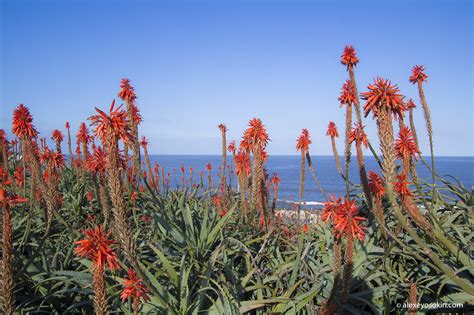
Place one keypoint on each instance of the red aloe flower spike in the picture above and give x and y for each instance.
(127, 92)
(115, 124)
(346, 221)
(257, 134)
(57, 135)
(347, 96)
(418, 74)
(383, 94)
(358, 135)
(330, 208)
(134, 289)
(242, 163)
(144, 142)
(332, 130)
(231, 147)
(275, 181)
(405, 146)
(97, 246)
(22, 125)
(376, 184)
(303, 141)
(349, 57)
(83, 134)
(405, 149)
(401, 186)
(136, 116)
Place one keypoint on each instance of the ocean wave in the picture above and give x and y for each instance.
(307, 203)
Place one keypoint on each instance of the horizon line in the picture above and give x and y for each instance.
(270, 155)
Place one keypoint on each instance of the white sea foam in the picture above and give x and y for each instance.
(307, 203)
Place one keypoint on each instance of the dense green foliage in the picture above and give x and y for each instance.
(194, 260)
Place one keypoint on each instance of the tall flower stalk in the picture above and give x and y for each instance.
(377, 189)
(350, 60)
(360, 138)
(257, 138)
(302, 145)
(54, 162)
(275, 181)
(57, 137)
(243, 171)
(7, 201)
(406, 198)
(347, 98)
(3, 150)
(347, 224)
(97, 246)
(418, 76)
(330, 208)
(97, 165)
(209, 177)
(383, 99)
(69, 144)
(223, 182)
(23, 128)
(127, 94)
(144, 144)
(110, 128)
(332, 132)
(83, 139)
(410, 106)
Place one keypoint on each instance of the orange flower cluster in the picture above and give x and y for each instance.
(83, 134)
(97, 161)
(349, 57)
(134, 289)
(401, 186)
(418, 74)
(115, 124)
(57, 136)
(376, 184)
(332, 130)
(7, 198)
(256, 134)
(231, 147)
(22, 125)
(383, 94)
(348, 95)
(358, 135)
(303, 141)
(344, 216)
(242, 163)
(405, 146)
(346, 221)
(97, 246)
(127, 92)
(275, 179)
(330, 208)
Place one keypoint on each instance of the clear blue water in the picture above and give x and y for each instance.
(288, 168)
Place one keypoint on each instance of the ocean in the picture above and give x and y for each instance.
(288, 169)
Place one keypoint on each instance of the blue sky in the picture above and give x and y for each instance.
(196, 64)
